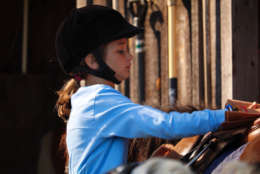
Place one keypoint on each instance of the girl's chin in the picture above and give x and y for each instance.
(122, 77)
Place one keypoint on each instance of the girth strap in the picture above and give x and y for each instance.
(212, 144)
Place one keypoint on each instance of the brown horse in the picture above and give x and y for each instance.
(201, 152)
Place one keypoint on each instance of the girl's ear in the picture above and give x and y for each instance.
(90, 60)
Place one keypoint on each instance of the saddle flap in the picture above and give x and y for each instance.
(244, 106)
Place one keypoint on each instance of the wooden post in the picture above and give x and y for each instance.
(115, 4)
(152, 51)
(172, 51)
(207, 61)
(101, 2)
(195, 52)
(246, 61)
(115, 7)
(208, 50)
(81, 3)
(226, 50)
(183, 58)
(212, 35)
(164, 56)
(205, 48)
(25, 36)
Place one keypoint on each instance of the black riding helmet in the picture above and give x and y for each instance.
(83, 32)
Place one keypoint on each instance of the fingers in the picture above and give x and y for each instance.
(257, 121)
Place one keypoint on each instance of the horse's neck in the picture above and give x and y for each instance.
(251, 153)
(253, 132)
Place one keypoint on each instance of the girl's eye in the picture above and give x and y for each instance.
(121, 51)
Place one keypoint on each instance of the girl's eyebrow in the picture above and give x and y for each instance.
(121, 42)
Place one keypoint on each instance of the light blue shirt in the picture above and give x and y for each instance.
(102, 120)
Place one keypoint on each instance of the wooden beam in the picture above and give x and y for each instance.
(115, 4)
(183, 56)
(164, 55)
(195, 52)
(205, 52)
(173, 83)
(81, 3)
(226, 50)
(152, 93)
(25, 36)
(101, 2)
(212, 25)
(208, 50)
(246, 61)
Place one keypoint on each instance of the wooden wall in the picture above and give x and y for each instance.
(27, 114)
(225, 57)
(246, 60)
(216, 49)
(211, 56)
(42, 29)
(11, 38)
(155, 51)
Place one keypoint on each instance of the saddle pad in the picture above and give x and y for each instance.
(217, 166)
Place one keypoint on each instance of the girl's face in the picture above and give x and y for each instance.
(118, 58)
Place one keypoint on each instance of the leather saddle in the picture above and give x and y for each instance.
(199, 151)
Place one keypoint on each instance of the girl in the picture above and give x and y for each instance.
(92, 48)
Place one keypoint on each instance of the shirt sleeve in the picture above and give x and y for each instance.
(116, 115)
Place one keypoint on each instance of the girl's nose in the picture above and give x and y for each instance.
(130, 56)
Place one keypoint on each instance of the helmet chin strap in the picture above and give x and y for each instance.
(104, 72)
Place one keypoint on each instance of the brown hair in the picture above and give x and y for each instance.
(63, 104)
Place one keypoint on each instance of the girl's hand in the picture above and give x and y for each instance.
(257, 121)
